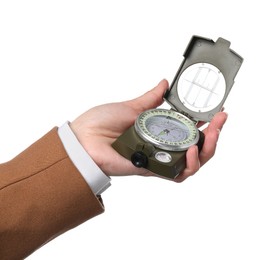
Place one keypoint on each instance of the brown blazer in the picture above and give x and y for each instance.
(42, 195)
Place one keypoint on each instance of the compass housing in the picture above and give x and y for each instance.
(204, 78)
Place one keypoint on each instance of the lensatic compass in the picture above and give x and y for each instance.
(159, 139)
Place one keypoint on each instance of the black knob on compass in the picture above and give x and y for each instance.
(139, 159)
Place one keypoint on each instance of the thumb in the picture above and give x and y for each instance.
(151, 99)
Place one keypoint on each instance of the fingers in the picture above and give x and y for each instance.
(210, 145)
(218, 121)
(193, 164)
(211, 137)
(194, 160)
(150, 99)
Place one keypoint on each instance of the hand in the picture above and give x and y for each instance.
(194, 160)
(100, 126)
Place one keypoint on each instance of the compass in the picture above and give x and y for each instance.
(159, 138)
(167, 129)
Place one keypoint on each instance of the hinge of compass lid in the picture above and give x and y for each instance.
(178, 110)
(185, 114)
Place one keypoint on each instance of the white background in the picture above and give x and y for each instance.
(60, 58)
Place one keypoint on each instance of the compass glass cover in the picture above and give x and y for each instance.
(201, 87)
(167, 129)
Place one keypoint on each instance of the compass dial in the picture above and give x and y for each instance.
(167, 129)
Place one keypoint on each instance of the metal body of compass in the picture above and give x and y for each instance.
(159, 138)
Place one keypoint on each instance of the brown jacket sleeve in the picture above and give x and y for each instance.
(42, 195)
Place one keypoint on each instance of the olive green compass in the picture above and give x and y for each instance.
(159, 139)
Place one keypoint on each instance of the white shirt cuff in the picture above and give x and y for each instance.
(96, 179)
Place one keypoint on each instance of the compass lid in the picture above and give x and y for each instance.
(204, 78)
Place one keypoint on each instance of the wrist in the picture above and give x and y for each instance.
(89, 170)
